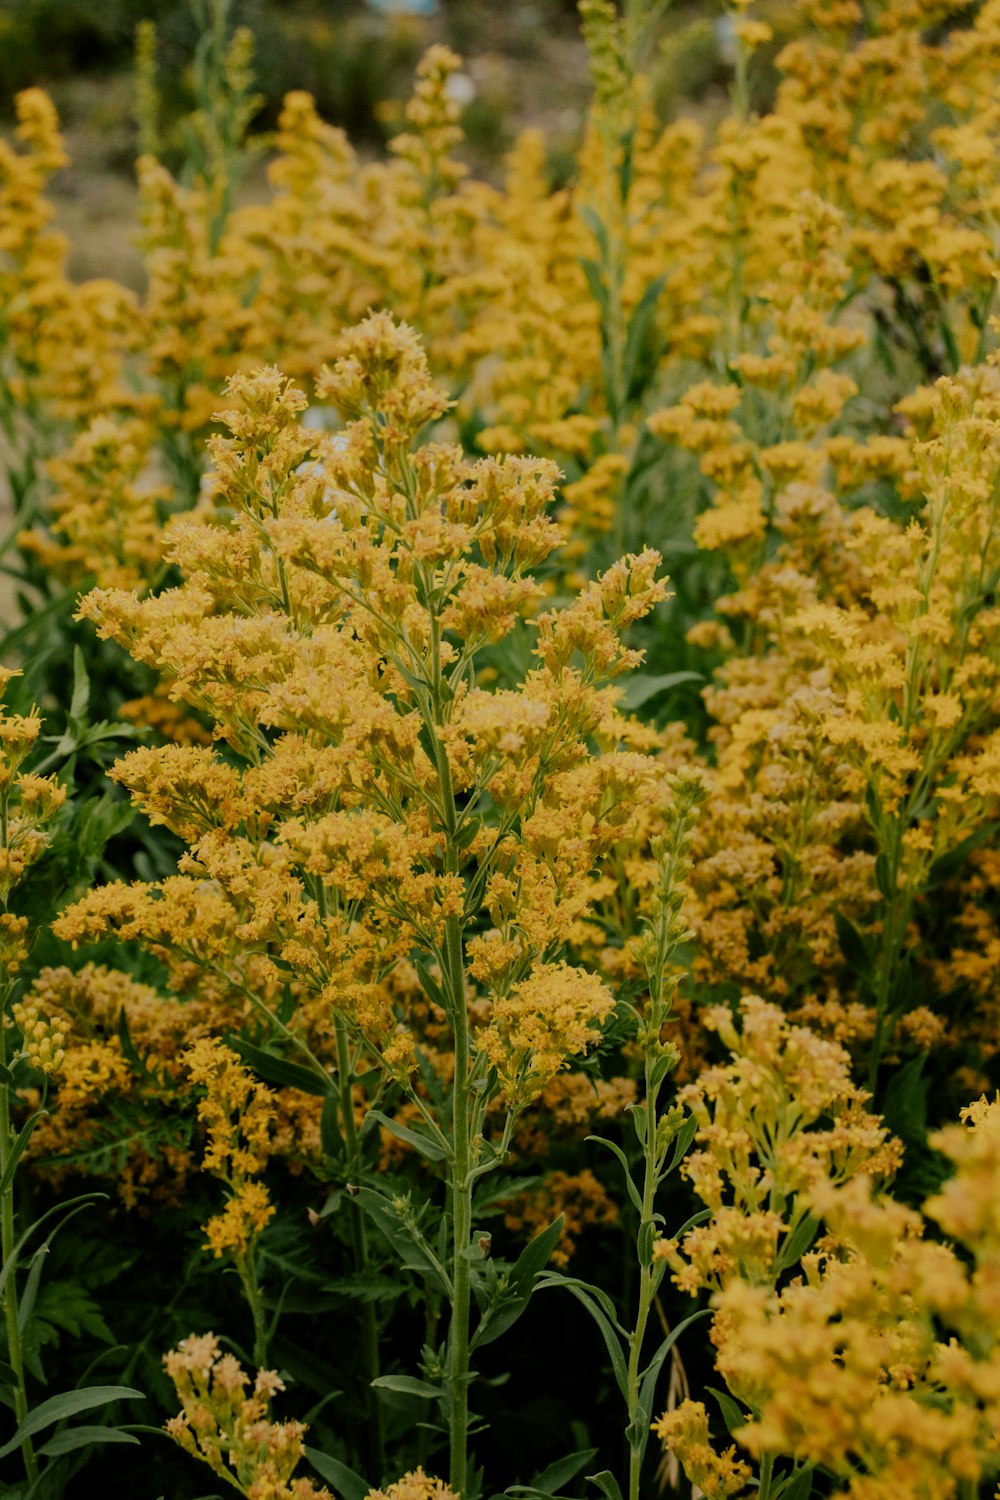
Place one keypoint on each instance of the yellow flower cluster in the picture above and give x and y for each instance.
(416, 1485)
(782, 1119)
(237, 1114)
(229, 1427)
(881, 1365)
(332, 606)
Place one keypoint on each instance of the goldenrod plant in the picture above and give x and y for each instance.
(472, 915)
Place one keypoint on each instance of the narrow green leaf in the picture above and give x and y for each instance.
(637, 339)
(276, 1070)
(535, 1255)
(563, 1470)
(597, 227)
(651, 1374)
(947, 865)
(430, 986)
(329, 1128)
(21, 1140)
(852, 946)
(798, 1242)
(80, 701)
(466, 834)
(607, 1484)
(617, 1151)
(69, 1209)
(428, 1147)
(72, 1438)
(412, 1253)
(904, 1105)
(595, 282)
(732, 1413)
(348, 1484)
(797, 1486)
(638, 1113)
(611, 1340)
(69, 1404)
(683, 1140)
(408, 1385)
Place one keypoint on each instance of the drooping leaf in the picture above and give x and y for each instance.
(72, 1438)
(69, 1404)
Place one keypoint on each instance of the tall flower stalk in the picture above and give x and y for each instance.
(380, 806)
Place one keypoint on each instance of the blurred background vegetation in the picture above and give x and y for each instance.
(525, 65)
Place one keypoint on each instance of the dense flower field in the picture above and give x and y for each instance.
(499, 784)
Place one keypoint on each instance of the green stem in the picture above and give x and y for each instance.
(359, 1245)
(461, 1199)
(14, 1352)
(766, 1476)
(893, 933)
(251, 1290)
(646, 1289)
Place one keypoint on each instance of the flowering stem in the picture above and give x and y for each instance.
(894, 925)
(247, 1268)
(766, 1476)
(461, 1198)
(10, 1290)
(646, 1293)
(359, 1243)
(665, 930)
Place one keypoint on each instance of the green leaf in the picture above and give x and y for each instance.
(413, 1254)
(408, 1385)
(700, 1217)
(428, 743)
(948, 865)
(798, 1242)
(425, 1144)
(329, 1128)
(637, 340)
(595, 282)
(642, 688)
(465, 835)
(21, 1140)
(798, 1485)
(644, 1242)
(638, 1113)
(606, 1327)
(682, 1142)
(597, 227)
(883, 878)
(68, 1405)
(69, 1209)
(505, 1311)
(607, 1484)
(348, 1484)
(732, 1413)
(852, 946)
(617, 1151)
(430, 986)
(276, 1070)
(561, 1472)
(651, 1374)
(904, 1104)
(535, 1255)
(80, 701)
(83, 1437)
